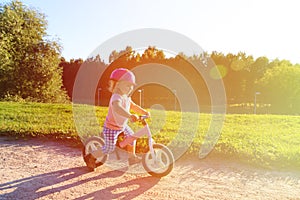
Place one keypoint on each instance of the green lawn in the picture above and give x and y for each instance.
(265, 140)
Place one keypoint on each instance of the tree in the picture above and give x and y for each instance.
(280, 86)
(29, 63)
(152, 53)
(127, 53)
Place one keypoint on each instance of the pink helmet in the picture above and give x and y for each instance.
(122, 74)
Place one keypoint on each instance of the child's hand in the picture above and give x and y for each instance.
(148, 114)
(133, 118)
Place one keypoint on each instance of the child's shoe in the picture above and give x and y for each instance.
(90, 161)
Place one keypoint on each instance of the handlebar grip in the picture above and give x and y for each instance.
(143, 117)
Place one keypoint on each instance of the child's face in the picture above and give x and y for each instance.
(125, 87)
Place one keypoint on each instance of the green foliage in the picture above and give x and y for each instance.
(266, 140)
(242, 75)
(29, 63)
(280, 87)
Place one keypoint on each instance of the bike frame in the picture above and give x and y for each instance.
(143, 131)
(150, 140)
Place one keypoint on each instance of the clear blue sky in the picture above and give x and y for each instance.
(257, 27)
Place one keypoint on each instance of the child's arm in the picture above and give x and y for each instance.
(136, 108)
(117, 107)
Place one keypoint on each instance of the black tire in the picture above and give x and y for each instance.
(92, 144)
(166, 161)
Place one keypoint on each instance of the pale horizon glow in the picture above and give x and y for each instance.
(258, 28)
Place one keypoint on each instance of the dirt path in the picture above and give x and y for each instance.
(45, 169)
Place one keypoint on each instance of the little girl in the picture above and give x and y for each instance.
(121, 85)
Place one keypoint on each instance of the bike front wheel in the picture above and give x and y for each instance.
(160, 165)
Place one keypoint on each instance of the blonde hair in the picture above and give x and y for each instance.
(112, 85)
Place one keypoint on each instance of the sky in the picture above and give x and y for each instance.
(257, 27)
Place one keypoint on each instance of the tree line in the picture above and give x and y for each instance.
(274, 84)
(31, 68)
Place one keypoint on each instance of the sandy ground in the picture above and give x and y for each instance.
(47, 169)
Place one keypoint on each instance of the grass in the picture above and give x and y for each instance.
(23, 119)
(268, 140)
(271, 141)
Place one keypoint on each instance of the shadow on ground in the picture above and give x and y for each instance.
(39, 186)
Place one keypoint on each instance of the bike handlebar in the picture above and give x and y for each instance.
(143, 117)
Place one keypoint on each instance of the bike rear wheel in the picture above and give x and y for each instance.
(92, 144)
(160, 166)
